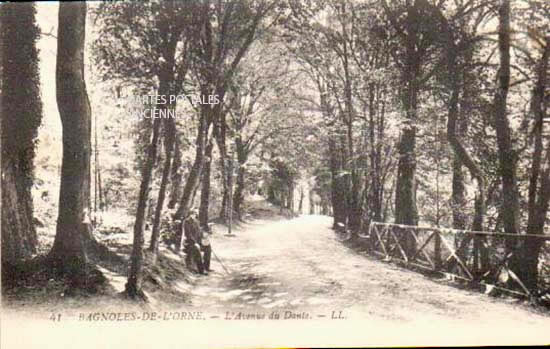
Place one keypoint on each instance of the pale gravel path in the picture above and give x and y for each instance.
(294, 266)
(299, 265)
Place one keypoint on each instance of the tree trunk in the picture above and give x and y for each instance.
(18, 234)
(457, 197)
(169, 134)
(192, 182)
(20, 116)
(539, 181)
(337, 190)
(223, 206)
(205, 190)
(355, 211)
(73, 224)
(506, 155)
(230, 211)
(405, 194)
(238, 199)
(375, 199)
(463, 157)
(290, 203)
(102, 199)
(176, 175)
(133, 286)
(354, 184)
(96, 173)
(405, 189)
(301, 201)
(311, 201)
(220, 140)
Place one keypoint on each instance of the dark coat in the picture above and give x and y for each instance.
(193, 233)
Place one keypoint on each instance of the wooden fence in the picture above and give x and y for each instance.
(474, 256)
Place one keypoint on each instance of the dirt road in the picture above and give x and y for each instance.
(298, 267)
(291, 284)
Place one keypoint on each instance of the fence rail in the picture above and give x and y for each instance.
(475, 256)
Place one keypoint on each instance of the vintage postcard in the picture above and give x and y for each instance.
(274, 173)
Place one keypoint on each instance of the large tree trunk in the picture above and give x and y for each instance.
(506, 155)
(539, 181)
(169, 134)
(405, 188)
(133, 286)
(73, 223)
(405, 194)
(166, 81)
(192, 182)
(354, 184)
(18, 234)
(20, 113)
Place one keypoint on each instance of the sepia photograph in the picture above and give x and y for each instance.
(274, 173)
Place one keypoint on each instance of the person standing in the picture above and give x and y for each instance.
(195, 242)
